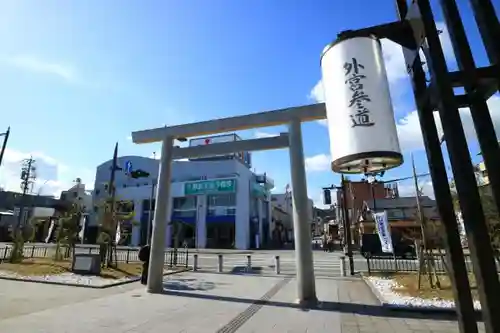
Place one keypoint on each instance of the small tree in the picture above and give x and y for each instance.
(110, 219)
(492, 218)
(68, 226)
(491, 215)
(19, 237)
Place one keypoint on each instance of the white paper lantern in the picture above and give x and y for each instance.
(363, 136)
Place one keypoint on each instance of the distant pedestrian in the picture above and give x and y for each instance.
(144, 253)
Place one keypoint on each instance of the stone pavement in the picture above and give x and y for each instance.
(19, 298)
(222, 303)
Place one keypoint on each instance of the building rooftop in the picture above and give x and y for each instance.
(401, 202)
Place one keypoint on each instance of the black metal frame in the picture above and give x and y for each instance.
(416, 29)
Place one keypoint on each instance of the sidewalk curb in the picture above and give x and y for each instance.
(408, 308)
(68, 284)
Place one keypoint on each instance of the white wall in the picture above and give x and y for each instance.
(279, 200)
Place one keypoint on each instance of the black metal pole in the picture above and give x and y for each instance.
(479, 109)
(468, 195)
(432, 142)
(150, 215)
(112, 193)
(489, 28)
(4, 144)
(347, 226)
(373, 197)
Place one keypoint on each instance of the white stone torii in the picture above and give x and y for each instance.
(293, 116)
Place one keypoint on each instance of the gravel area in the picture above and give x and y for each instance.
(69, 278)
(385, 286)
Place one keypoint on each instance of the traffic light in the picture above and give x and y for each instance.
(327, 197)
(139, 174)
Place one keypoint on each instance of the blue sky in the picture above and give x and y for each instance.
(77, 76)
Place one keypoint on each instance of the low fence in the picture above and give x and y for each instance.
(173, 257)
(380, 264)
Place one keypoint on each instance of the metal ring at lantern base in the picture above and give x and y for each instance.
(361, 163)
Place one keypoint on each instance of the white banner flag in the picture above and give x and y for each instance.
(382, 225)
(118, 235)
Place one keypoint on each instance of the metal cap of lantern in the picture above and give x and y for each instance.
(363, 135)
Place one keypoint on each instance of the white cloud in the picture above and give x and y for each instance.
(52, 176)
(407, 189)
(260, 135)
(410, 135)
(34, 64)
(320, 162)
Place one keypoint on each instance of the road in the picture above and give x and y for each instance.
(325, 264)
(263, 261)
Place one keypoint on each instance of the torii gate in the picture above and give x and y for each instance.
(293, 117)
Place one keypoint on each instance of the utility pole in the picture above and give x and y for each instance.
(346, 225)
(111, 194)
(28, 177)
(4, 144)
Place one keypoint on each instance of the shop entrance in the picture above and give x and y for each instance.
(220, 235)
(183, 234)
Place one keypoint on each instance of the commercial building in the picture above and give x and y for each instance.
(33, 205)
(217, 202)
(403, 218)
(282, 228)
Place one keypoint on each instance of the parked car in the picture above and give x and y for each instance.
(371, 247)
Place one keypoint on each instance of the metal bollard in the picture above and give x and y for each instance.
(249, 262)
(220, 264)
(342, 266)
(277, 264)
(195, 262)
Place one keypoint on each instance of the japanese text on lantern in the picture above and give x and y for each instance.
(359, 99)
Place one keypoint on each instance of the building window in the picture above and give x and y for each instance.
(146, 203)
(221, 211)
(221, 204)
(185, 213)
(185, 203)
(395, 213)
(224, 200)
(125, 206)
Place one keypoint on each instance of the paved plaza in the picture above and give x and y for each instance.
(205, 302)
